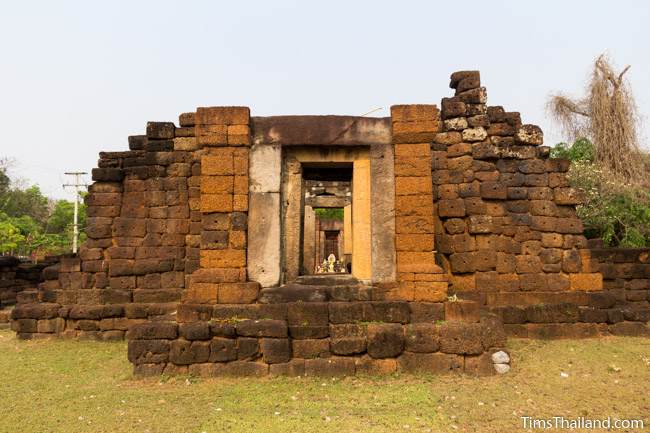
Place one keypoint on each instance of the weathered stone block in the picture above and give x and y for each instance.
(304, 314)
(195, 331)
(217, 165)
(413, 112)
(413, 185)
(414, 242)
(480, 224)
(107, 174)
(417, 261)
(412, 149)
(461, 338)
(455, 124)
(334, 366)
(247, 348)
(451, 208)
(262, 328)
(160, 130)
(412, 166)
(374, 367)
(586, 282)
(275, 350)
(348, 345)
(184, 352)
(480, 365)
(453, 107)
(217, 184)
(421, 338)
(433, 363)
(474, 134)
(223, 258)
(153, 331)
(473, 96)
(293, 368)
(527, 264)
(238, 293)
(148, 351)
(385, 340)
(462, 311)
(311, 348)
(553, 313)
(426, 312)
(530, 134)
(217, 203)
(494, 190)
(458, 77)
(222, 116)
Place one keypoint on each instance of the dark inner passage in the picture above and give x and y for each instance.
(327, 172)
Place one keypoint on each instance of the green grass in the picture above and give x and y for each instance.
(85, 386)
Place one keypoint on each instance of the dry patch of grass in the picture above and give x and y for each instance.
(61, 386)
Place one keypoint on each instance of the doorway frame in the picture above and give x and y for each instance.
(293, 205)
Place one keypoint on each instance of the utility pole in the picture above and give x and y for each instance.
(76, 185)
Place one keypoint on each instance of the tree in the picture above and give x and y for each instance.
(607, 116)
(17, 202)
(335, 213)
(32, 224)
(61, 218)
(10, 237)
(5, 181)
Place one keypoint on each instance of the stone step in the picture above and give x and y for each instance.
(292, 293)
(327, 280)
(319, 293)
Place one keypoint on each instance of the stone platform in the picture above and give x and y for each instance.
(319, 339)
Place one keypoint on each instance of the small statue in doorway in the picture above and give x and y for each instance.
(331, 260)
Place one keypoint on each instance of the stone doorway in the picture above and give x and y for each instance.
(292, 154)
(316, 183)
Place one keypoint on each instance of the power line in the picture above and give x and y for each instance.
(76, 185)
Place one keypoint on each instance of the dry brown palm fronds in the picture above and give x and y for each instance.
(572, 115)
(606, 115)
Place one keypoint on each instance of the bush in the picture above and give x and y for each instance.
(335, 213)
(617, 212)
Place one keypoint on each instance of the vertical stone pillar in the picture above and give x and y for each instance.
(264, 215)
(347, 231)
(224, 135)
(320, 235)
(420, 279)
(382, 189)
(361, 235)
(309, 242)
(292, 210)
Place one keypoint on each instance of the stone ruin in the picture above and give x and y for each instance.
(457, 230)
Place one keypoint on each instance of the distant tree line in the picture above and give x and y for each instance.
(31, 224)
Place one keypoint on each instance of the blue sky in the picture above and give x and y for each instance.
(78, 77)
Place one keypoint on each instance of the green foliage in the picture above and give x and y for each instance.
(17, 202)
(620, 219)
(31, 224)
(581, 150)
(335, 213)
(10, 237)
(617, 212)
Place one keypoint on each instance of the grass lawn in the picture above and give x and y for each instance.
(71, 386)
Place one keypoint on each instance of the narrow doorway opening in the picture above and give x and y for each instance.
(327, 219)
